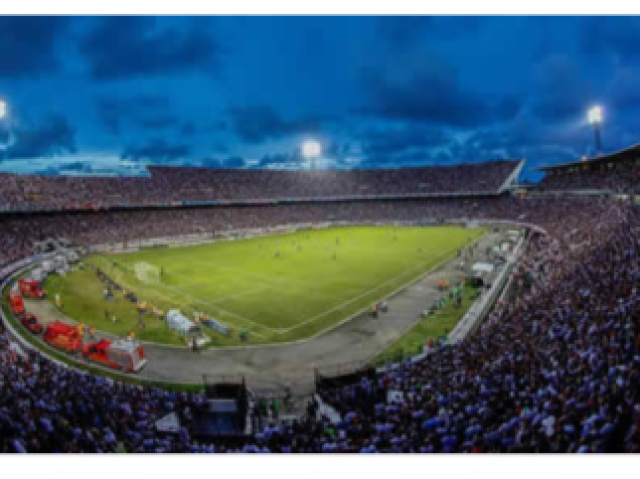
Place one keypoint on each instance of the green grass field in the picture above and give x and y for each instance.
(438, 324)
(319, 278)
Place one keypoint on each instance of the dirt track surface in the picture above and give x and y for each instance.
(271, 368)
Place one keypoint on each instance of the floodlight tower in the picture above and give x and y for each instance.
(4, 112)
(595, 118)
(311, 151)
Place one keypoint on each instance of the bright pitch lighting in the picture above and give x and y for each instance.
(3, 109)
(595, 114)
(311, 149)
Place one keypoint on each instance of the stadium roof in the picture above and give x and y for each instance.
(626, 154)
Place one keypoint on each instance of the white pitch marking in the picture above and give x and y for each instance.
(341, 305)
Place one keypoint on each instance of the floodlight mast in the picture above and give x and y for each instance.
(595, 118)
(4, 112)
(311, 151)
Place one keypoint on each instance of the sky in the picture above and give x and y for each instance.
(110, 95)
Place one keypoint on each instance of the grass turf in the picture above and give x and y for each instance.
(438, 324)
(278, 288)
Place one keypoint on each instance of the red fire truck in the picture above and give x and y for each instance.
(63, 336)
(16, 303)
(123, 354)
(30, 322)
(30, 288)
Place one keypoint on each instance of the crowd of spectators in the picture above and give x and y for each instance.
(618, 178)
(19, 232)
(554, 368)
(166, 185)
(49, 408)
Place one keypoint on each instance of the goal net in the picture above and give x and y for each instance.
(147, 273)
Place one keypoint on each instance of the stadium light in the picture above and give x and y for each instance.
(4, 113)
(311, 151)
(594, 115)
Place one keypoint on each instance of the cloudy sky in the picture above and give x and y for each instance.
(112, 94)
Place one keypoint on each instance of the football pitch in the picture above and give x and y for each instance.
(275, 288)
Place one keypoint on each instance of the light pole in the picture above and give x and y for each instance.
(3, 115)
(311, 151)
(595, 118)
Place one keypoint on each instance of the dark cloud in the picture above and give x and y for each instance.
(147, 111)
(129, 47)
(291, 159)
(624, 90)
(29, 45)
(428, 92)
(393, 142)
(192, 128)
(156, 150)
(74, 167)
(53, 136)
(401, 32)
(230, 162)
(188, 128)
(338, 149)
(527, 132)
(618, 37)
(528, 139)
(258, 123)
(561, 91)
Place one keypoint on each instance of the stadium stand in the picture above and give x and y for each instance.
(618, 172)
(555, 367)
(182, 185)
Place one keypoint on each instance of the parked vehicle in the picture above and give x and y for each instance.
(31, 288)
(16, 303)
(63, 336)
(123, 354)
(30, 321)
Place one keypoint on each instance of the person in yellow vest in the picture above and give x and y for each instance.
(81, 329)
(132, 336)
(92, 332)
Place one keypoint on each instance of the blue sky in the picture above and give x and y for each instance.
(108, 95)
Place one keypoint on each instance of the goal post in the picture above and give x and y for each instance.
(147, 273)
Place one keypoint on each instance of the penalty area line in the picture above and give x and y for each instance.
(218, 308)
(179, 292)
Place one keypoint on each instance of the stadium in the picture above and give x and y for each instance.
(313, 342)
(408, 309)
